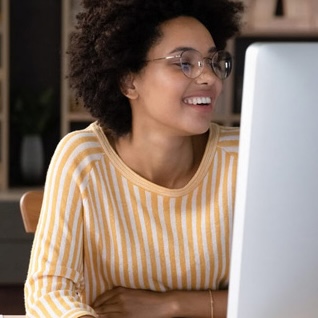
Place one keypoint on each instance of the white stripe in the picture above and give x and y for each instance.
(194, 214)
(104, 213)
(123, 267)
(222, 225)
(155, 239)
(186, 240)
(91, 225)
(99, 188)
(230, 203)
(230, 137)
(165, 239)
(207, 263)
(175, 241)
(73, 243)
(231, 149)
(119, 249)
(145, 238)
(133, 226)
(212, 220)
(48, 306)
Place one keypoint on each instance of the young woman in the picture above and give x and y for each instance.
(137, 212)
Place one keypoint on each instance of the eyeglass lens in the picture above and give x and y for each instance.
(192, 63)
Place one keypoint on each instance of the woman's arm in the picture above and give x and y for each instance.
(198, 303)
(140, 303)
(55, 272)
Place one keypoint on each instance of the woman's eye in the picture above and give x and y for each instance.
(186, 67)
(187, 64)
(183, 65)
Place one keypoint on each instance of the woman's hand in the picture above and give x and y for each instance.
(123, 302)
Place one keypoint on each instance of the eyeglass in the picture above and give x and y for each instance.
(192, 63)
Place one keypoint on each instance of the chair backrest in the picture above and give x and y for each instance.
(30, 207)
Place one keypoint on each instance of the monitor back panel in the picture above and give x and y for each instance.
(274, 264)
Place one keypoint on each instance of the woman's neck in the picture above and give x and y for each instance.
(168, 162)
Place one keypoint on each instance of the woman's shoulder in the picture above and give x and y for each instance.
(227, 137)
(225, 132)
(83, 141)
(79, 137)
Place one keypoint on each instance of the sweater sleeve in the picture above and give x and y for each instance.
(55, 283)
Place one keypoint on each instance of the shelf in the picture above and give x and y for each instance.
(290, 32)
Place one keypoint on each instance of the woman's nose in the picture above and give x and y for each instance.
(207, 75)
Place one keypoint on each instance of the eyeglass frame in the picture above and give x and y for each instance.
(179, 55)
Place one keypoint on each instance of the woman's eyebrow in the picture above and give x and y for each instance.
(182, 48)
(188, 48)
(213, 49)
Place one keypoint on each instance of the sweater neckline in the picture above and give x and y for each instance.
(140, 181)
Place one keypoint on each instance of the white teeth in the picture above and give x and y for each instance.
(198, 100)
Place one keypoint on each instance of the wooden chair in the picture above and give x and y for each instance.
(30, 207)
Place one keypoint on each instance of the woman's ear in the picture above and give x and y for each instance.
(127, 86)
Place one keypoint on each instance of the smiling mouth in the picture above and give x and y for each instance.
(198, 101)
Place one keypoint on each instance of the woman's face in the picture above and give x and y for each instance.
(164, 99)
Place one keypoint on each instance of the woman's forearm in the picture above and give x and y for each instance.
(198, 303)
(175, 303)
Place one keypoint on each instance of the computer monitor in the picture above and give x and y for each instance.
(274, 262)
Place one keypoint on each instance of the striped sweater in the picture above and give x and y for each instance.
(102, 226)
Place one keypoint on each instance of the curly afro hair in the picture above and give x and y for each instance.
(112, 39)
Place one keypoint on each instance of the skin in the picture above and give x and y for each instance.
(164, 124)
